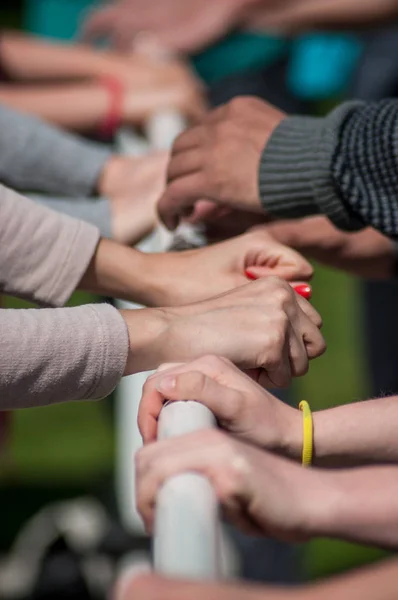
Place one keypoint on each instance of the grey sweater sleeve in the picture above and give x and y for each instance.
(43, 255)
(60, 354)
(344, 166)
(37, 156)
(96, 211)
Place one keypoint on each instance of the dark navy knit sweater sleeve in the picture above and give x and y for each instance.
(344, 166)
(365, 165)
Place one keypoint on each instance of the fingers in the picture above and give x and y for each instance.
(158, 462)
(196, 380)
(179, 198)
(151, 404)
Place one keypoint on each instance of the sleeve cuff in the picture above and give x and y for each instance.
(295, 178)
(113, 340)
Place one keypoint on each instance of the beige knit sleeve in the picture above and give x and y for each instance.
(43, 254)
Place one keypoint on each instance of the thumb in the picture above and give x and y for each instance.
(224, 402)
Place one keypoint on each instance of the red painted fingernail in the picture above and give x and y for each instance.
(250, 275)
(304, 290)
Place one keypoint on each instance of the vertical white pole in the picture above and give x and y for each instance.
(162, 129)
(187, 527)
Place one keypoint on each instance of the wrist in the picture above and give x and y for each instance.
(110, 176)
(115, 271)
(290, 443)
(145, 328)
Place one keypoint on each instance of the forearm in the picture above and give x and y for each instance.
(29, 58)
(60, 355)
(358, 433)
(79, 107)
(294, 16)
(366, 253)
(121, 272)
(376, 582)
(34, 155)
(358, 505)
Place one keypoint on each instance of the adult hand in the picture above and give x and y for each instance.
(218, 160)
(241, 406)
(260, 493)
(178, 25)
(133, 186)
(264, 324)
(179, 278)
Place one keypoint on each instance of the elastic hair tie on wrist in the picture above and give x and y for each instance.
(308, 433)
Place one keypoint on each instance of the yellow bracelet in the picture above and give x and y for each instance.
(308, 433)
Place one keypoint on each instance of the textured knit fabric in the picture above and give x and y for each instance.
(36, 156)
(365, 165)
(52, 355)
(43, 255)
(344, 166)
(96, 211)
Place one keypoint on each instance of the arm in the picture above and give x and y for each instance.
(343, 166)
(37, 156)
(273, 496)
(365, 253)
(249, 155)
(377, 582)
(294, 16)
(94, 211)
(178, 26)
(354, 434)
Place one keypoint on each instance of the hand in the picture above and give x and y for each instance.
(264, 324)
(220, 223)
(152, 84)
(179, 278)
(259, 492)
(241, 406)
(142, 103)
(133, 186)
(153, 587)
(179, 26)
(219, 159)
(366, 253)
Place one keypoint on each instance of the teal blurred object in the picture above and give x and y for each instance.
(322, 65)
(239, 53)
(57, 19)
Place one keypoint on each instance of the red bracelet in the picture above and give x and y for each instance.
(113, 118)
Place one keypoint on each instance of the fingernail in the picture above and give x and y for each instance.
(250, 275)
(167, 384)
(304, 290)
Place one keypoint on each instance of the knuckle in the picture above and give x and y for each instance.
(282, 295)
(194, 381)
(236, 105)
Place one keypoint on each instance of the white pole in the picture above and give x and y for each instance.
(162, 129)
(187, 541)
